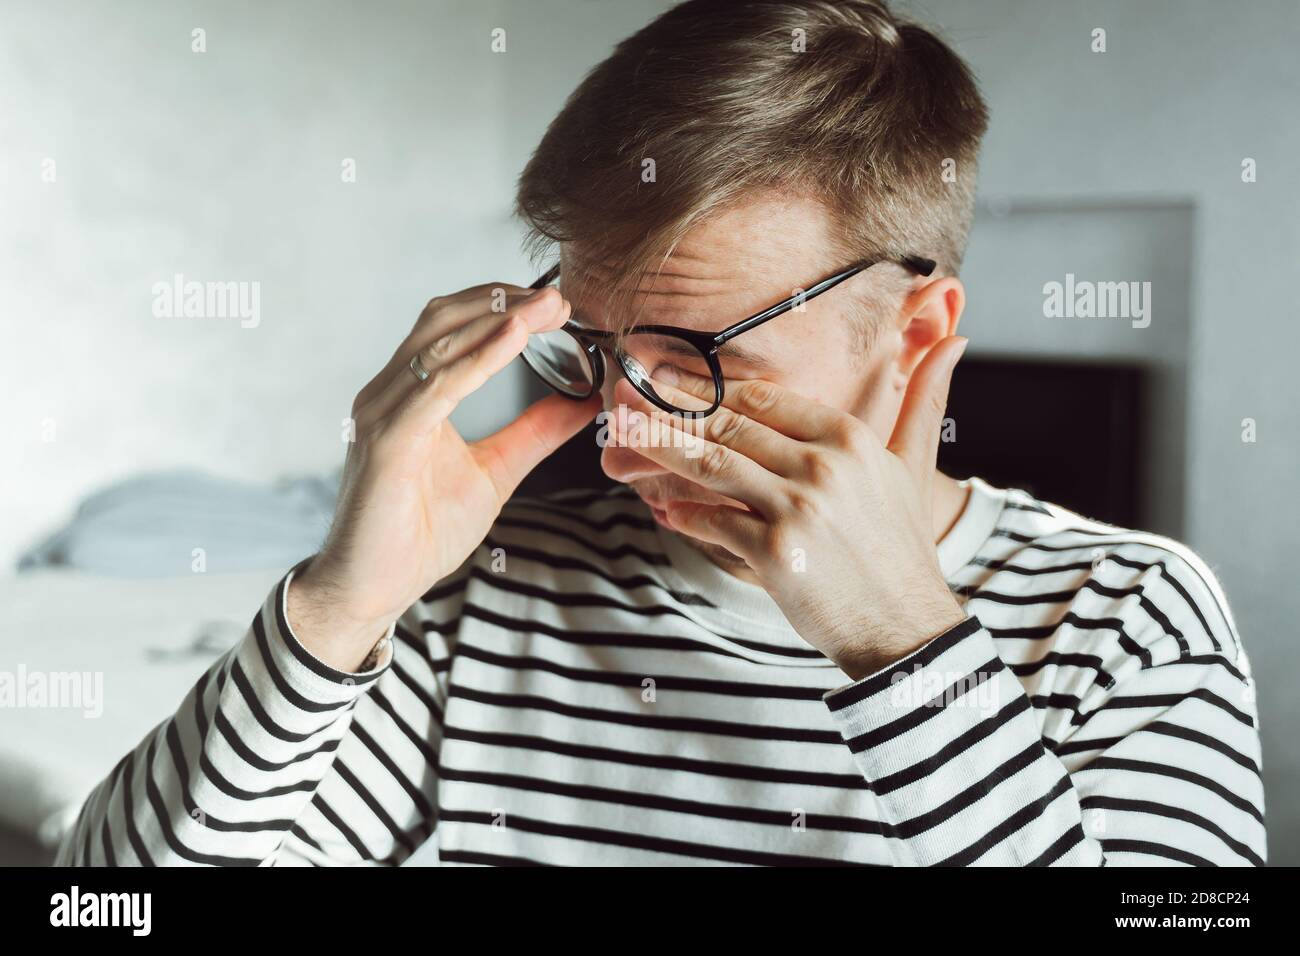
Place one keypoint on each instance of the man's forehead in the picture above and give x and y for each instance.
(729, 266)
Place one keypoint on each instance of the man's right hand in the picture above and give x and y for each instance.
(416, 499)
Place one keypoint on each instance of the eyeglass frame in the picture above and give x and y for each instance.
(706, 343)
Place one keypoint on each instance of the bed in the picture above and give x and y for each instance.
(92, 662)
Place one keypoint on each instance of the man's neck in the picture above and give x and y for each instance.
(948, 502)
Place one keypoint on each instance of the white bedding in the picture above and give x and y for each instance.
(144, 641)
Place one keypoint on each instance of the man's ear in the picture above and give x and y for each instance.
(928, 315)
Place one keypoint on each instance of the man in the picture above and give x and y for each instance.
(788, 639)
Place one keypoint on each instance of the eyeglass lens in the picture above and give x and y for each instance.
(651, 362)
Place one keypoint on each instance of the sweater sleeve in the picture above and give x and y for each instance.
(1155, 761)
(223, 780)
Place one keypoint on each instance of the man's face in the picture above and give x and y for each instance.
(737, 263)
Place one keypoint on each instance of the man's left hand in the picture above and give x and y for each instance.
(835, 525)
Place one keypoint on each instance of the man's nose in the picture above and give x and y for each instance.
(620, 463)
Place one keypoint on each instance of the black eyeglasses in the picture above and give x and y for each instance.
(571, 359)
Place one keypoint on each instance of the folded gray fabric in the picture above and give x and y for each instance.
(183, 522)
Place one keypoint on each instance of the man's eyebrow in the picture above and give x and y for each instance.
(739, 353)
(728, 350)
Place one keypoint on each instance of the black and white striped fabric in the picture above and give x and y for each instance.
(588, 689)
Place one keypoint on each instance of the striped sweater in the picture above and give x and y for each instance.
(588, 689)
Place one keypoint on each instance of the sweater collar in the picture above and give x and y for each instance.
(744, 610)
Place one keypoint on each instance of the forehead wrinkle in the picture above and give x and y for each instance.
(681, 294)
(705, 310)
(698, 311)
(660, 297)
(676, 266)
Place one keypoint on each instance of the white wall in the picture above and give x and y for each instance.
(226, 165)
(1185, 91)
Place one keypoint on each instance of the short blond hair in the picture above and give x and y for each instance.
(876, 118)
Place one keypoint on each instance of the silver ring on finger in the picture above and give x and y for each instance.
(418, 367)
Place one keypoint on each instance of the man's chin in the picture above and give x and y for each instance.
(720, 556)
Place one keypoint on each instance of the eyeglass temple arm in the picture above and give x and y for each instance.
(547, 277)
(917, 264)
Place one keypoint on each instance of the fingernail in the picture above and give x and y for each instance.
(960, 350)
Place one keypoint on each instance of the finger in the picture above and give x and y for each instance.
(774, 451)
(538, 315)
(496, 300)
(467, 302)
(439, 318)
(693, 457)
(509, 454)
(427, 404)
(920, 419)
(740, 532)
(541, 310)
(781, 409)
